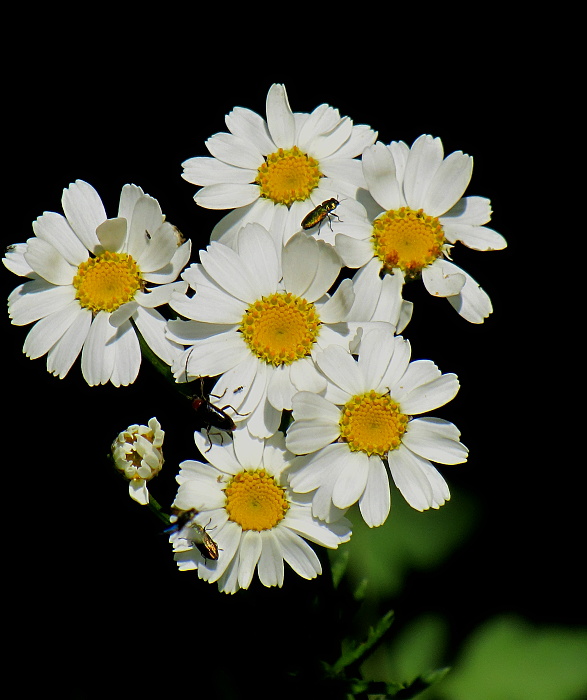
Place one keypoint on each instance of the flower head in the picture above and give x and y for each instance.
(242, 499)
(91, 284)
(258, 317)
(278, 168)
(417, 215)
(364, 422)
(137, 453)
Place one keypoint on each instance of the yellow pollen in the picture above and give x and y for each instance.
(372, 423)
(254, 501)
(280, 328)
(288, 176)
(407, 239)
(107, 281)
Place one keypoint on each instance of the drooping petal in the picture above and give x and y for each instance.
(417, 480)
(375, 503)
(98, 354)
(353, 470)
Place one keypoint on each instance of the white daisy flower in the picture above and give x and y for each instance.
(243, 503)
(258, 317)
(418, 213)
(280, 168)
(90, 288)
(364, 422)
(137, 453)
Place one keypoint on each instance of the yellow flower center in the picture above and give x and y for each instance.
(280, 328)
(407, 239)
(372, 423)
(107, 281)
(255, 501)
(288, 176)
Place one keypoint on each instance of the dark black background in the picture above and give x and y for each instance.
(92, 584)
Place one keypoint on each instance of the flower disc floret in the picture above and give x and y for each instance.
(107, 281)
(408, 239)
(288, 175)
(372, 423)
(255, 501)
(281, 328)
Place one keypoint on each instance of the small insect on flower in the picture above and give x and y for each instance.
(183, 522)
(317, 215)
(209, 415)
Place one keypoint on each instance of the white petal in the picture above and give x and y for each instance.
(354, 253)
(270, 568)
(379, 171)
(249, 553)
(112, 234)
(340, 367)
(280, 119)
(448, 184)
(255, 246)
(84, 211)
(55, 229)
(398, 365)
(127, 356)
(280, 389)
(97, 354)
(235, 151)
(338, 307)
(298, 554)
(475, 237)
(151, 325)
(224, 266)
(353, 470)
(47, 262)
(375, 502)
(441, 281)
(250, 127)
(309, 436)
(46, 332)
(311, 407)
(36, 299)
(156, 296)
(66, 350)
(435, 439)
(473, 302)
(226, 195)
(420, 484)
(423, 161)
(210, 171)
(377, 349)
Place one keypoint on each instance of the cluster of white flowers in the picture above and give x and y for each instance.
(269, 312)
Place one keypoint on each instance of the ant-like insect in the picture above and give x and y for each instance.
(209, 415)
(195, 534)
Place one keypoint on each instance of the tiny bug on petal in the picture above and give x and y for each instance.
(188, 529)
(317, 215)
(209, 415)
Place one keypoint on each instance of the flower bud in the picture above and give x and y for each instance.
(138, 455)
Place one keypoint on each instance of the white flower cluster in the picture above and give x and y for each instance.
(269, 311)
